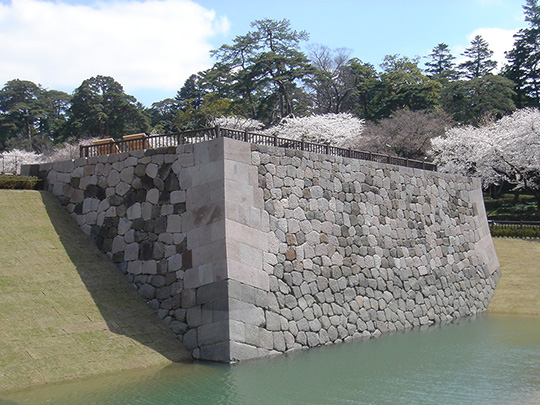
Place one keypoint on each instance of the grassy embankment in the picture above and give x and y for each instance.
(65, 310)
(518, 291)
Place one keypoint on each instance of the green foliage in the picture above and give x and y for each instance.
(472, 102)
(264, 69)
(514, 232)
(478, 63)
(365, 84)
(523, 68)
(100, 108)
(441, 65)
(16, 182)
(211, 107)
(162, 115)
(508, 207)
(404, 86)
(31, 117)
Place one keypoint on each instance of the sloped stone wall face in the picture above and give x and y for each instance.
(357, 248)
(132, 205)
(185, 225)
(247, 251)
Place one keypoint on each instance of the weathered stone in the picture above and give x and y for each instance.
(348, 248)
(147, 291)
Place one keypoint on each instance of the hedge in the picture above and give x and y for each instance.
(515, 232)
(8, 181)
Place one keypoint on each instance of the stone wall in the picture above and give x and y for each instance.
(132, 206)
(357, 249)
(248, 251)
(183, 225)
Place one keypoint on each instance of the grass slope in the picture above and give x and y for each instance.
(518, 291)
(65, 310)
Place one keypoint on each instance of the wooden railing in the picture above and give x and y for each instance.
(206, 134)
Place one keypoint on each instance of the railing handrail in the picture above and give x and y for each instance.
(509, 222)
(204, 134)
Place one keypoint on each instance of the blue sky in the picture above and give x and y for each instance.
(152, 46)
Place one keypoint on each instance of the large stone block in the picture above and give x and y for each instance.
(212, 333)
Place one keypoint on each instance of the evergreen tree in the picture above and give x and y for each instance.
(441, 65)
(31, 117)
(21, 109)
(365, 83)
(524, 59)
(265, 69)
(403, 85)
(475, 101)
(162, 115)
(101, 108)
(479, 61)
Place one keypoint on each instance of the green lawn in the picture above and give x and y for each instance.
(518, 290)
(65, 310)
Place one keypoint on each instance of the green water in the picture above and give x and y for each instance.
(486, 360)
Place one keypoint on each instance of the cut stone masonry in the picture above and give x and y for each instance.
(247, 251)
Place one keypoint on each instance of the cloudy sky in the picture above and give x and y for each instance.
(152, 46)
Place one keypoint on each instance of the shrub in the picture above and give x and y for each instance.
(515, 232)
(8, 181)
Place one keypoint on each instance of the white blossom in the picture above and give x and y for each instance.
(67, 151)
(507, 150)
(10, 162)
(333, 129)
(235, 122)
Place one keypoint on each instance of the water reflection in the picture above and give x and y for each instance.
(491, 360)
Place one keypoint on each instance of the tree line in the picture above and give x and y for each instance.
(264, 76)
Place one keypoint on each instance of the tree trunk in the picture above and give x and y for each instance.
(28, 128)
(537, 198)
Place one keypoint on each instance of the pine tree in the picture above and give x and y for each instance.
(479, 61)
(524, 59)
(441, 66)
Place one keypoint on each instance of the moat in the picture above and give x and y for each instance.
(490, 359)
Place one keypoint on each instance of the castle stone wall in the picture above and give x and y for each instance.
(247, 251)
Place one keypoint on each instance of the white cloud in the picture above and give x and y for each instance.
(499, 40)
(151, 44)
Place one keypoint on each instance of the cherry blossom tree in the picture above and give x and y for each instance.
(236, 122)
(10, 162)
(332, 129)
(507, 150)
(67, 150)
